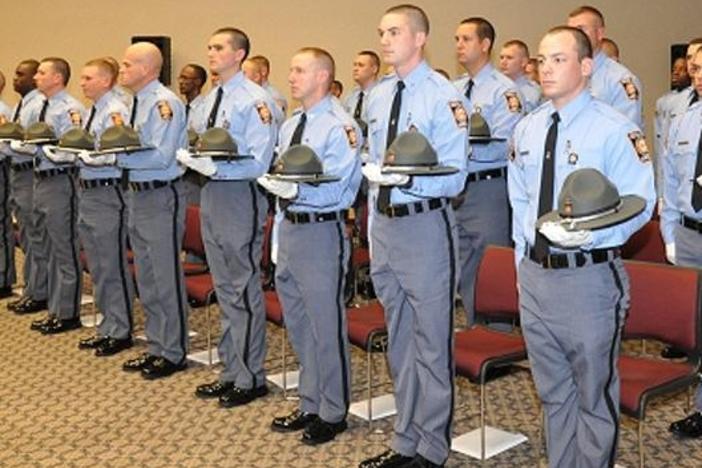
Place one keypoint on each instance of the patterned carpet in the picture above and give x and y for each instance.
(64, 407)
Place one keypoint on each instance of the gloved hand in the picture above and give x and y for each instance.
(203, 165)
(670, 252)
(373, 173)
(97, 160)
(58, 156)
(556, 233)
(699, 180)
(281, 188)
(19, 147)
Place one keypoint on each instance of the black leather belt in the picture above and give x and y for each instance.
(691, 224)
(151, 184)
(23, 166)
(86, 184)
(54, 172)
(575, 259)
(488, 174)
(304, 218)
(398, 211)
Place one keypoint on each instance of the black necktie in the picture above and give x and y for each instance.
(297, 134)
(696, 189)
(546, 192)
(359, 106)
(694, 99)
(215, 108)
(469, 89)
(15, 118)
(385, 190)
(187, 110)
(132, 117)
(42, 114)
(90, 119)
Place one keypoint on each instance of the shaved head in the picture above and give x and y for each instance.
(148, 55)
(141, 65)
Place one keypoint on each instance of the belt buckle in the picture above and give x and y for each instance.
(547, 262)
(390, 211)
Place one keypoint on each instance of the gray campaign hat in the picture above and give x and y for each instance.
(120, 139)
(11, 131)
(412, 154)
(39, 132)
(77, 138)
(588, 200)
(300, 163)
(479, 129)
(192, 138)
(217, 144)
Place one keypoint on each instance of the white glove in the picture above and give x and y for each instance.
(91, 159)
(281, 188)
(556, 233)
(19, 147)
(203, 165)
(58, 156)
(373, 174)
(670, 252)
(699, 180)
(183, 155)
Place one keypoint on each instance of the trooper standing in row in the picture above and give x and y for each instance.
(7, 235)
(413, 240)
(314, 249)
(366, 67)
(514, 57)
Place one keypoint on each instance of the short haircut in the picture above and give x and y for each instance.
(373, 56)
(31, 63)
(518, 44)
(582, 43)
(261, 61)
(237, 38)
(323, 57)
(483, 28)
(2, 80)
(200, 72)
(105, 66)
(695, 41)
(615, 47)
(418, 19)
(60, 66)
(588, 9)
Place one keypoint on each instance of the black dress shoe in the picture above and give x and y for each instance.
(41, 323)
(295, 421)
(161, 367)
(12, 305)
(213, 390)
(319, 431)
(240, 396)
(113, 346)
(387, 459)
(671, 352)
(61, 326)
(92, 342)
(138, 363)
(690, 427)
(420, 462)
(30, 306)
(6, 292)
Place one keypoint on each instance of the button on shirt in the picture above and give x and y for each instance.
(489, 96)
(590, 134)
(335, 138)
(609, 84)
(530, 91)
(64, 112)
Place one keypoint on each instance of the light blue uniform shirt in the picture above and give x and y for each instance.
(29, 101)
(5, 116)
(614, 84)
(196, 110)
(336, 139)
(530, 91)
(489, 97)
(245, 112)
(160, 122)
(428, 105)
(351, 100)
(665, 111)
(278, 97)
(590, 134)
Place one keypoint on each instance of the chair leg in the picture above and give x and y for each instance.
(209, 330)
(284, 358)
(369, 375)
(688, 397)
(482, 421)
(642, 462)
(643, 346)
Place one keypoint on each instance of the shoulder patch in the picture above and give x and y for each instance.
(116, 119)
(264, 113)
(514, 104)
(164, 110)
(76, 117)
(459, 113)
(630, 88)
(639, 143)
(351, 135)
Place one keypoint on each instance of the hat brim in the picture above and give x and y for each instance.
(122, 149)
(631, 206)
(221, 155)
(9, 139)
(309, 178)
(484, 140)
(69, 149)
(419, 170)
(41, 141)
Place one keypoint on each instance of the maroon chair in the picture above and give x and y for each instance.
(274, 315)
(665, 306)
(646, 244)
(192, 242)
(201, 292)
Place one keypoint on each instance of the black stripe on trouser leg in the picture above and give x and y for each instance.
(452, 298)
(5, 213)
(176, 270)
(340, 318)
(76, 262)
(122, 257)
(247, 303)
(612, 363)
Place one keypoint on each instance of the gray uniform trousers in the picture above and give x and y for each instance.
(310, 278)
(482, 219)
(7, 235)
(102, 226)
(156, 228)
(232, 216)
(36, 280)
(572, 320)
(413, 268)
(56, 213)
(688, 253)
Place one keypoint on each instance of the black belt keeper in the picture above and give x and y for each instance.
(304, 218)
(54, 172)
(692, 224)
(499, 173)
(23, 166)
(574, 259)
(87, 184)
(398, 211)
(151, 184)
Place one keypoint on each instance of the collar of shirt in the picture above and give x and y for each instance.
(104, 100)
(146, 90)
(571, 110)
(416, 76)
(233, 82)
(58, 96)
(30, 95)
(482, 75)
(522, 80)
(319, 108)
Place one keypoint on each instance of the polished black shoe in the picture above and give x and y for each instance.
(61, 326)
(671, 352)
(319, 431)
(12, 305)
(295, 421)
(690, 427)
(161, 367)
(240, 396)
(213, 390)
(420, 462)
(30, 306)
(92, 342)
(113, 346)
(387, 459)
(6, 292)
(41, 323)
(138, 363)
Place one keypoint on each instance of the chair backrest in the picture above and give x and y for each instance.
(665, 304)
(646, 244)
(496, 284)
(192, 239)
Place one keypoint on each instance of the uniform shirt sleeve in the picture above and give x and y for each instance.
(670, 214)
(518, 197)
(631, 108)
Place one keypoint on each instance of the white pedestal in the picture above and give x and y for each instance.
(383, 406)
(202, 357)
(496, 442)
(86, 299)
(90, 320)
(292, 379)
(191, 334)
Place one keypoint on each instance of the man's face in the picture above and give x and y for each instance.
(94, 82)
(398, 42)
(132, 71)
(364, 71)
(691, 50)
(469, 48)
(697, 72)
(590, 25)
(563, 76)
(188, 81)
(220, 54)
(23, 81)
(512, 61)
(678, 75)
(304, 77)
(46, 77)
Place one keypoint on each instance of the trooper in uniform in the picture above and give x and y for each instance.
(414, 241)
(313, 249)
(102, 217)
(681, 218)
(482, 210)
(156, 211)
(365, 70)
(611, 81)
(7, 235)
(254, 72)
(35, 273)
(574, 288)
(514, 57)
(55, 199)
(190, 82)
(233, 212)
(278, 97)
